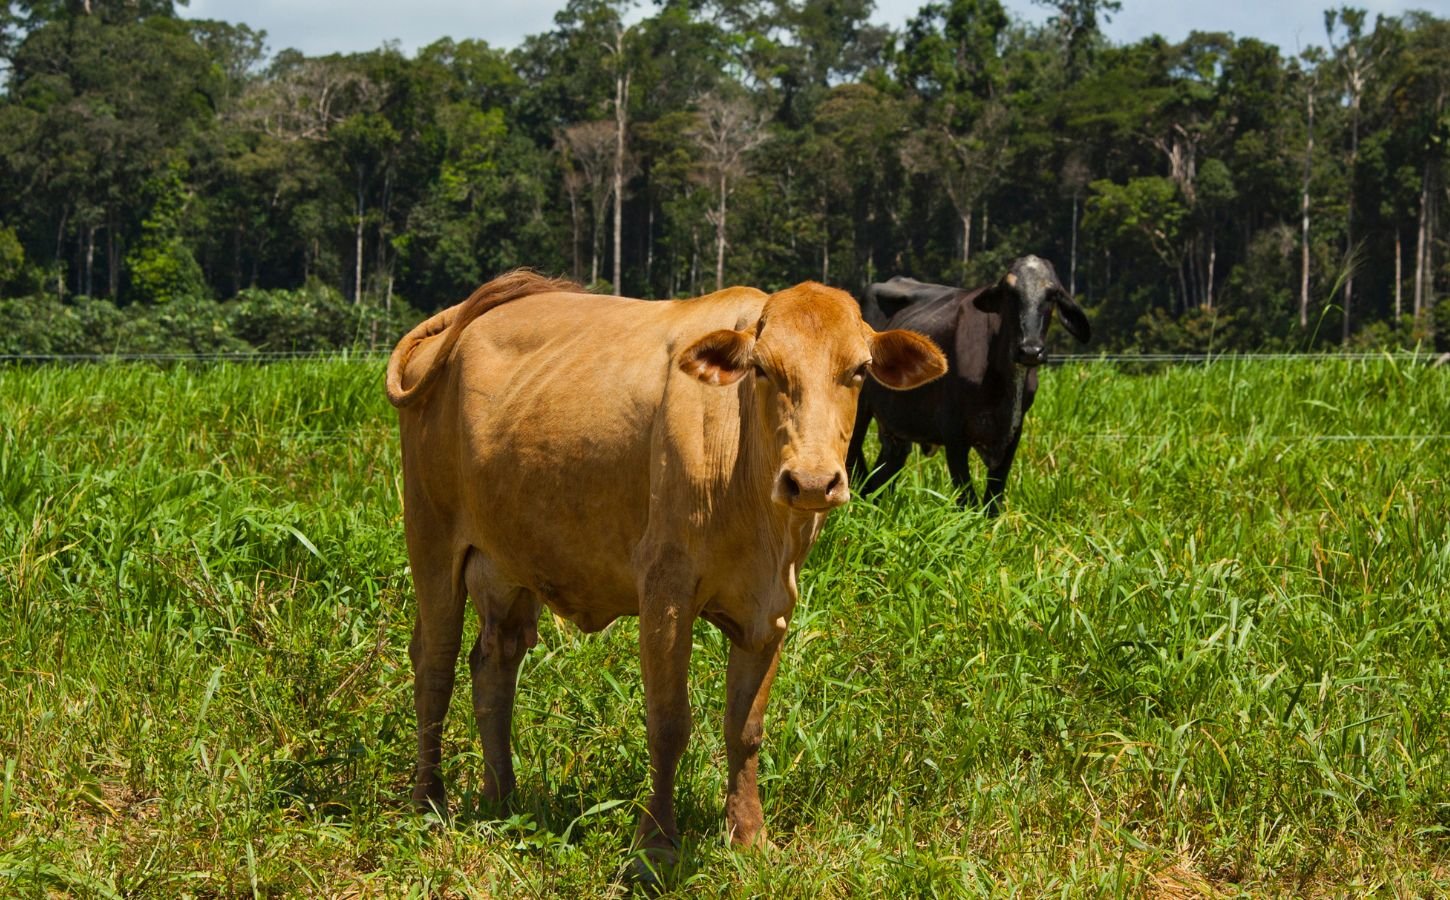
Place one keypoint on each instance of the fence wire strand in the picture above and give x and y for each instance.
(1411, 356)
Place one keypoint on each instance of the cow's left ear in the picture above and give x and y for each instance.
(902, 360)
(1073, 318)
(720, 357)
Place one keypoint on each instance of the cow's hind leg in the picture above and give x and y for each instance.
(437, 635)
(894, 452)
(960, 466)
(747, 688)
(508, 626)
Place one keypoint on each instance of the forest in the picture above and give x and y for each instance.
(172, 184)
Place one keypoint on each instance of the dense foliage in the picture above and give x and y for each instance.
(1204, 652)
(1210, 193)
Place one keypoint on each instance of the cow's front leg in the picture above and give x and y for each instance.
(666, 617)
(747, 688)
(891, 460)
(997, 471)
(856, 467)
(960, 466)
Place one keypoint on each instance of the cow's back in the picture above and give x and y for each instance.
(538, 438)
(964, 404)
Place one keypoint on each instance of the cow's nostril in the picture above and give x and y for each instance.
(789, 487)
(836, 482)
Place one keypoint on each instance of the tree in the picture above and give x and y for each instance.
(162, 266)
(591, 146)
(1355, 57)
(725, 131)
(1076, 24)
(1148, 209)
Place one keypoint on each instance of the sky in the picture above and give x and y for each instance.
(345, 26)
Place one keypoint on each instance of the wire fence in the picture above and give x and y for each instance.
(263, 356)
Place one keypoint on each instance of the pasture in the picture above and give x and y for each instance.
(1206, 649)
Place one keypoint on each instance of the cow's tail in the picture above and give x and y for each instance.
(449, 324)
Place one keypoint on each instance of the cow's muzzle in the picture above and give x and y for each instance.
(1031, 353)
(812, 490)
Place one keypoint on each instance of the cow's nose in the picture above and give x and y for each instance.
(815, 490)
(1031, 353)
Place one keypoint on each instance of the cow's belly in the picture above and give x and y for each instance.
(555, 472)
(559, 524)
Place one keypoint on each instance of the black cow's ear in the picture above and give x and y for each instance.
(902, 360)
(990, 300)
(1073, 318)
(720, 357)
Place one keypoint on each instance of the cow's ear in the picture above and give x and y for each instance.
(990, 300)
(720, 357)
(1073, 318)
(903, 359)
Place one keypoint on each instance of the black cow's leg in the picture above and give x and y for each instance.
(959, 465)
(747, 688)
(894, 452)
(997, 472)
(856, 451)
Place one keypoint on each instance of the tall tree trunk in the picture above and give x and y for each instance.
(720, 238)
(966, 237)
(1195, 276)
(1212, 258)
(383, 266)
(1304, 219)
(985, 223)
(90, 257)
(621, 90)
(694, 261)
(1182, 288)
(1349, 218)
(1072, 265)
(825, 241)
(1420, 241)
(649, 250)
(358, 240)
(236, 260)
(574, 221)
(113, 257)
(1399, 288)
(61, 270)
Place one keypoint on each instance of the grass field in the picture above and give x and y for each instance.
(1205, 650)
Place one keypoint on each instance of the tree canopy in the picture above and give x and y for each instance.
(1210, 192)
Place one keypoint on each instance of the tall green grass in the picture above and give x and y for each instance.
(1207, 647)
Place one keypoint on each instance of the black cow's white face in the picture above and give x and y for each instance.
(1033, 285)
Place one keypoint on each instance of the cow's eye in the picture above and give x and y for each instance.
(860, 374)
(759, 371)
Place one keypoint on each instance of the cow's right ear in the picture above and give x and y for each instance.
(720, 357)
(902, 360)
(990, 300)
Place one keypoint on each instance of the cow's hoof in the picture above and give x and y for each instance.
(431, 800)
(650, 868)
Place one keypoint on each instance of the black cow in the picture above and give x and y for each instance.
(994, 341)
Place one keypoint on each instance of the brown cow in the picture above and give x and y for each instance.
(609, 457)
